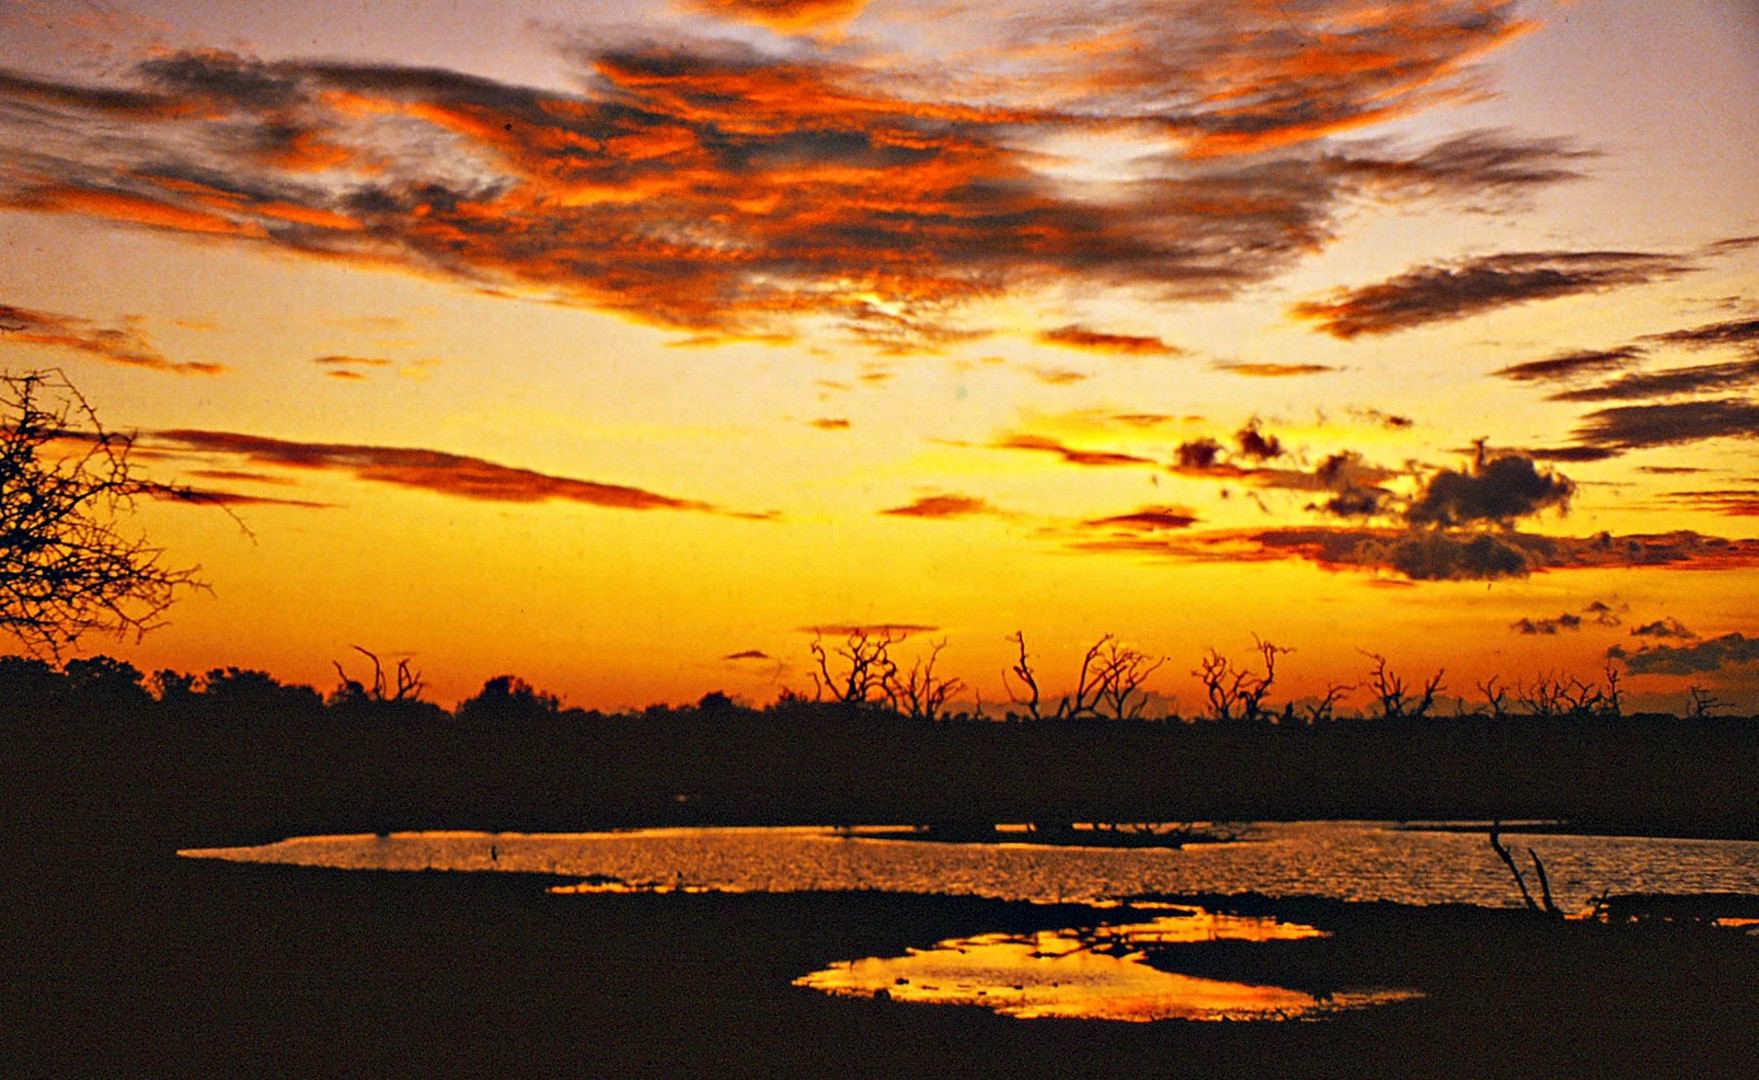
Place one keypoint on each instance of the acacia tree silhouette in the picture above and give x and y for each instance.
(1112, 675)
(68, 566)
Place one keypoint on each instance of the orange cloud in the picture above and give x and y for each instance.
(217, 497)
(1059, 376)
(1274, 371)
(118, 345)
(717, 189)
(1150, 519)
(1076, 336)
(784, 14)
(1090, 458)
(134, 210)
(427, 470)
(942, 507)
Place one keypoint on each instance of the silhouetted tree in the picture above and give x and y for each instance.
(1112, 675)
(1389, 688)
(507, 697)
(1496, 697)
(921, 695)
(28, 681)
(1228, 687)
(866, 667)
(250, 694)
(409, 683)
(1023, 672)
(102, 680)
(1704, 704)
(1119, 674)
(67, 565)
(1323, 710)
(715, 701)
(175, 687)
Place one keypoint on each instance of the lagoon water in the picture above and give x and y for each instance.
(1342, 860)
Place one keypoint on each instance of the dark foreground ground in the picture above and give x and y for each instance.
(152, 966)
(118, 959)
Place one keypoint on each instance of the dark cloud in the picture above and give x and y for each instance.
(1497, 489)
(1570, 453)
(240, 475)
(1731, 502)
(1704, 657)
(1446, 292)
(194, 496)
(1149, 519)
(427, 470)
(1255, 445)
(1440, 556)
(1604, 613)
(1199, 454)
(1732, 244)
(748, 654)
(1476, 164)
(1090, 458)
(1674, 382)
(1273, 371)
(117, 344)
(1355, 486)
(1435, 554)
(1569, 365)
(715, 188)
(1733, 332)
(1390, 421)
(1080, 337)
(111, 102)
(1665, 628)
(942, 507)
(1551, 626)
(1353, 482)
(1637, 427)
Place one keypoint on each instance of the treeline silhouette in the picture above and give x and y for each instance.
(236, 756)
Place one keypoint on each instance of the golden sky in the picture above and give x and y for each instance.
(620, 347)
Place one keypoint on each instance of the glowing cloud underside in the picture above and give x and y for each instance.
(727, 190)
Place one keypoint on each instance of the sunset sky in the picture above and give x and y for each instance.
(620, 345)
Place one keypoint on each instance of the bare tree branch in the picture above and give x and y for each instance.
(68, 566)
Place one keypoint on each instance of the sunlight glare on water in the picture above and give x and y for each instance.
(1342, 860)
(1089, 975)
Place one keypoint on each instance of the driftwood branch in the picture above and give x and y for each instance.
(1544, 886)
(1544, 905)
(1509, 861)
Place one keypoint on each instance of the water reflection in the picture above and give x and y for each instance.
(1094, 974)
(1341, 860)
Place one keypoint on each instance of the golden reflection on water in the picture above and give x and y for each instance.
(1098, 974)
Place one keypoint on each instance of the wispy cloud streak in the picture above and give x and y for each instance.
(124, 344)
(1445, 292)
(427, 470)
